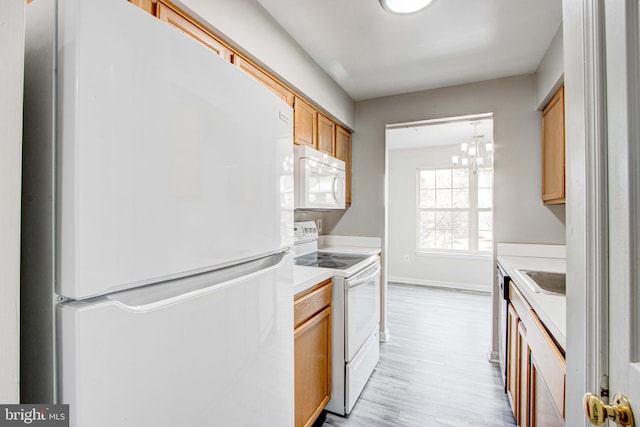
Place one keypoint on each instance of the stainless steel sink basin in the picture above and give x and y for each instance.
(548, 283)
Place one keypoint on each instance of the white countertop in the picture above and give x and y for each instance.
(360, 250)
(550, 309)
(306, 277)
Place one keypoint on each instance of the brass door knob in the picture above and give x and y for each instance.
(598, 412)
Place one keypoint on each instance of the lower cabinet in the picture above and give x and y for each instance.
(312, 349)
(512, 359)
(535, 368)
(524, 355)
(518, 367)
(544, 411)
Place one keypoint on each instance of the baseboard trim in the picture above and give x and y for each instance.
(472, 287)
(494, 357)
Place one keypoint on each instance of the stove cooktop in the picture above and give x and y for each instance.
(329, 260)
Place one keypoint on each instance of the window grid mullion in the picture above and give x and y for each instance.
(472, 210)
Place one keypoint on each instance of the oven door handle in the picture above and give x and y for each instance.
(368, 277)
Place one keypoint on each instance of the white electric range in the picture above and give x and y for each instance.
(356, 314)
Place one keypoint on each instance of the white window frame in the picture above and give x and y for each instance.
(473, 212)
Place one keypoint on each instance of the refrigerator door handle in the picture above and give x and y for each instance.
(153, 297)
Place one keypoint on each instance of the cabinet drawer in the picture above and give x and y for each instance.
(311, 302)
(519, 304)
(548, 361)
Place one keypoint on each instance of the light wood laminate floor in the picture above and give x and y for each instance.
(434, 370)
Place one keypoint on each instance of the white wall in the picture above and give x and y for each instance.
(11, 83)
(458, 271)
(250, 28)
(519, 213)
(550, 74)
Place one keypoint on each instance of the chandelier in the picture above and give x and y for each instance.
(475, 153)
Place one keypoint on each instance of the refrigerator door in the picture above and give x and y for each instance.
(212, 350)
(170, 161)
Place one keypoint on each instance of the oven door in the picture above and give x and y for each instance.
(362, 308)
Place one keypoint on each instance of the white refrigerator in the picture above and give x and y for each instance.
(157, 222)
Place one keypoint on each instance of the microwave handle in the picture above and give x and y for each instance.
(334, 188)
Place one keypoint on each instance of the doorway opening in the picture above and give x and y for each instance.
(439, 203)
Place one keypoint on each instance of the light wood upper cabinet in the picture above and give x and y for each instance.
(306, 124)
(181, 22)
(326, 134)
(553, 150)
(343, 152)
(312, 350)
(148, 6)
(276, 87)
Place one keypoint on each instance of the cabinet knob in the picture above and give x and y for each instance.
(598, 412)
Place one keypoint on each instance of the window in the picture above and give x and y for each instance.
(455, 210)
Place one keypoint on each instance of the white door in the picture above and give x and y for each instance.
(601, 52)
(623, 96)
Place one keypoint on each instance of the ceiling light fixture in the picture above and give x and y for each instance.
(404, 7)
(470, 152)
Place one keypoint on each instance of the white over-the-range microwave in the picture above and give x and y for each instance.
(319, 180)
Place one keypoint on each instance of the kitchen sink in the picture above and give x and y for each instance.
(547, 282)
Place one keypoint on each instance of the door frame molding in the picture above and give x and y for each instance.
(587, 202)
(623, 69)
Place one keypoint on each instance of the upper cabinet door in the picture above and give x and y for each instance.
(264, 78)
(146, 5)
(553, 160)
(179, 21)
(326, 134)
(343, 152)
(306, 124)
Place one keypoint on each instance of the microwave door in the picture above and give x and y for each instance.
(322, 186)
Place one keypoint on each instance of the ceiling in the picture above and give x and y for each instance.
(371, 53)
(418, 135)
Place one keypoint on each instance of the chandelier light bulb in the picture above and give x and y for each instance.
(455, 160)
(472, 151)
(463, 147)
(489, 147)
